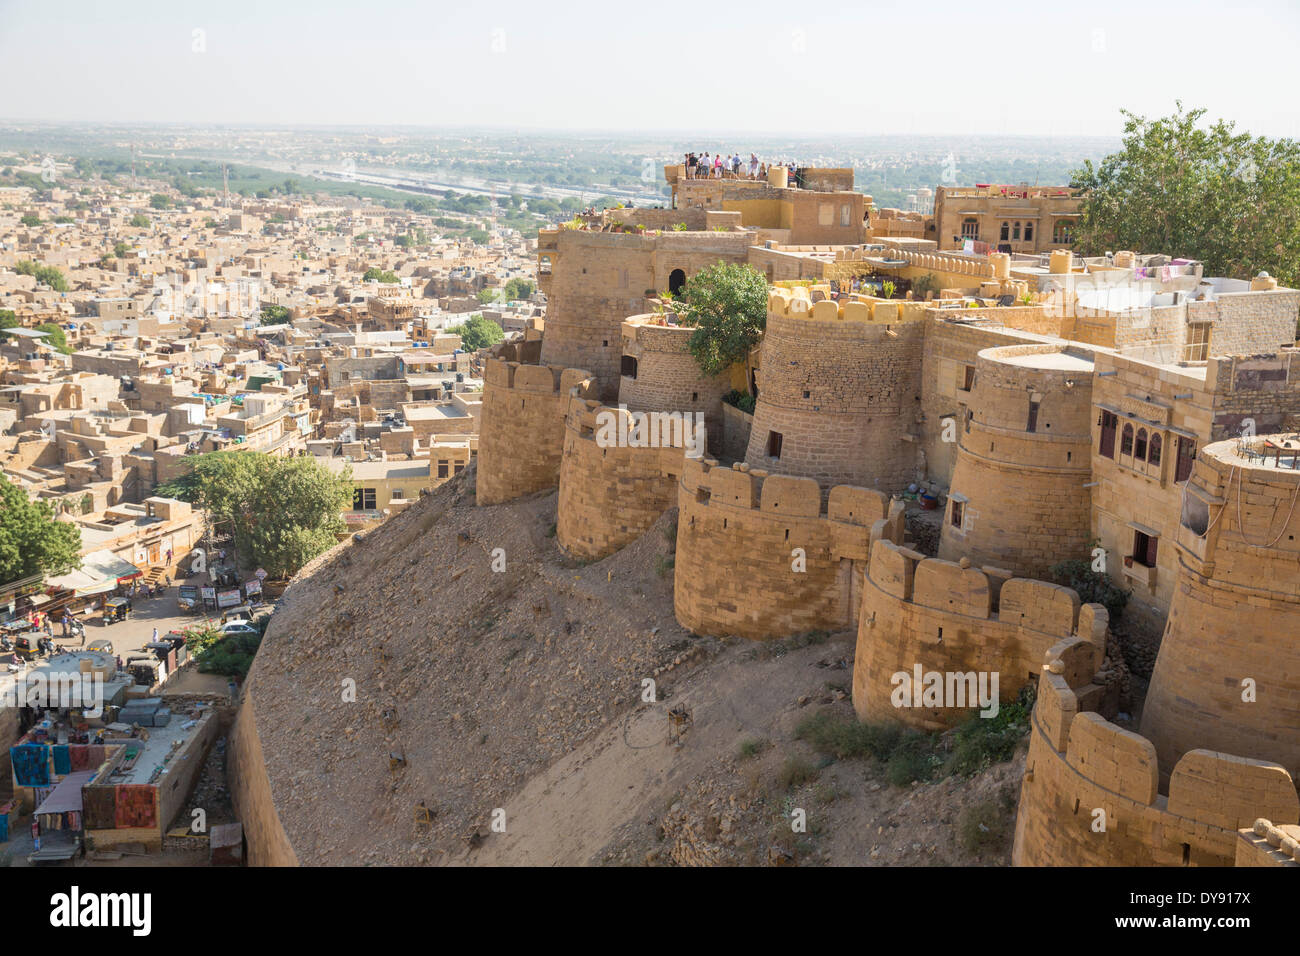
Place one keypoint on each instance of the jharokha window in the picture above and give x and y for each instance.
(1126, 441)
(1153, 450)
(1140, 449)
(1109, 425)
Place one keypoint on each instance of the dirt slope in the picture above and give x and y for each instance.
(522, 690)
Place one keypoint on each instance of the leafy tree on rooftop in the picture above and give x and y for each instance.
(727, 304)
(1202, 192)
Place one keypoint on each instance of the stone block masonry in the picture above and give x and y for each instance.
(1228, 673)
(1092, 792)
(610, 496)
(839, 390)
(953, 618)
(521, 437)
(1019, 497)
(737, 569)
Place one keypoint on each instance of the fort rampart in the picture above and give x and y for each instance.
(738, 571)
(950, 618)
(522, 428)
(1092, 796)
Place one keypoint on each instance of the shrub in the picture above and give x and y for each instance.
(1094, 587)
(742, 400)
(751, 748)
(795, 772)
(983, 826)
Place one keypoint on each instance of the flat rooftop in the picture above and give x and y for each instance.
(1065, 361)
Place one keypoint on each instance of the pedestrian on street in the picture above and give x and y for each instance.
(155, 633)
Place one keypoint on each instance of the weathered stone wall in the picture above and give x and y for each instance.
(951, 347)
(954, 619)
(667, 377)
(610, 496)
(1228, 673)
(737, 531)
(250, 789)
(598, 279)
(841, 384)
(521, 438)
(1019, 498)
(1082, 769)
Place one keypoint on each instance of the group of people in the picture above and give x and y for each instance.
(717, 166)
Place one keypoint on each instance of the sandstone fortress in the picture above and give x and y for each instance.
(1124, 410)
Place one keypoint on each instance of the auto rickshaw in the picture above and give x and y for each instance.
(117, 609)
(28, 646)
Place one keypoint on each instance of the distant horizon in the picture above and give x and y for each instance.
(584, 67)
(484, 128)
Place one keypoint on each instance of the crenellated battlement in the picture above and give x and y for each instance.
(1083, 769)
(950, 617)
(762, 555)
(521, 436)
(814, 304)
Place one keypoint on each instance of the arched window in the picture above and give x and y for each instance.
(1005, 234)
(1126, 441)
(1063, 232)
(970, 228)
(1029, 232)
(1141, 450)
(1153, 450)
(676, 281)
(1015, 231)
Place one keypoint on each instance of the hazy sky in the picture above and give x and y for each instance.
(864, 68)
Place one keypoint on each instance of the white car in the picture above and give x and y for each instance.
(239, 627)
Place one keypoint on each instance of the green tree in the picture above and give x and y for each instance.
(120, 249)
(478, 333)
(31, 219)
(284, 511)
(727, 304)
(1204, 192)
(48, 275)
(486, 296)
(519, 289)
(31, 540)
(160, 201)
(8, 320)
(56, 337)
(140, 221)
(274, 314)
(379, 275)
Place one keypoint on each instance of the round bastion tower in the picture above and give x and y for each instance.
(838, 389)
(1227, 677)
(1019, 498)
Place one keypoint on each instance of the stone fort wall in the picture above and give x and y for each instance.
(1080, 763)
(840, 383)
(1236, 604)
(664, 376)
(598, 279)
(610, 496)
(250, 790)
(521, 435)
(1019, 498)
(736, 533)
(950, 617)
